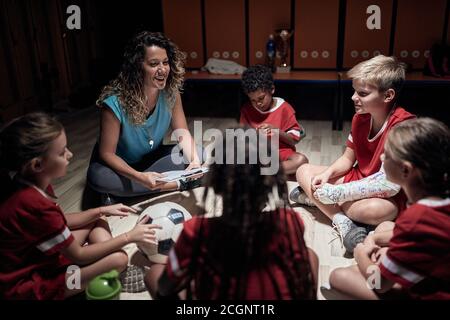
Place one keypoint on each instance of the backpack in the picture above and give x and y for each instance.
(438, 62)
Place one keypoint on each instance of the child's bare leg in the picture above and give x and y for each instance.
(293, 162)
(304, 176)
(351, 283)
(101, 232)
(152, 276)
(97, 231)
(117, 260)
(371, 211)
(385, 226)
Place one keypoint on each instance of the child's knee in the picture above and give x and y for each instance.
(339, 277)
(119, 260)
(303, 171)
(373, 213)
(301, 159)
(385, 226)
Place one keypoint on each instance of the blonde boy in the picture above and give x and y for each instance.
(354, 187)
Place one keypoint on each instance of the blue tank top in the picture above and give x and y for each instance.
(136, 141)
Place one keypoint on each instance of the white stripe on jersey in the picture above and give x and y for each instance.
(350, 138)
(51, 243)
(406, 274)
(294, 132)
(174, 263)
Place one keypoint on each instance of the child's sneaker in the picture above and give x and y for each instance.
(132, 279)
(353, 237)
(343, 227)
(298, 196)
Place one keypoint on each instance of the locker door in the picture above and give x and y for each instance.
(183, 24)
(419, 25)
(225, 30)
(265, 17)
(316, 33)
(360, 42)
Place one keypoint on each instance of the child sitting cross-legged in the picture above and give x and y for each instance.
(272, 115)
(246, 252)
(414, 254)
(41, 247)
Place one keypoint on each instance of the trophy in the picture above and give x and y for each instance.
(283, 36)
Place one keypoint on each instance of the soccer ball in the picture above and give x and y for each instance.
(170, 216)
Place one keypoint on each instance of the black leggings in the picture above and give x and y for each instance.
(103, 179)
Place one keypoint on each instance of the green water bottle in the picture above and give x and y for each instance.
(104, 287)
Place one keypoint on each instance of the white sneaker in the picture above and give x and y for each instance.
(298, 196)
(342, 228)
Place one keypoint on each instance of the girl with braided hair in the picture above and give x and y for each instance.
(250, 251)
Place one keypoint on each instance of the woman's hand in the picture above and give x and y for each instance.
(319, 180)
(150, 180)
(118, 209)
(143, 232)
(194, 165)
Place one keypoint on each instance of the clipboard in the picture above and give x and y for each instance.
(175, 175)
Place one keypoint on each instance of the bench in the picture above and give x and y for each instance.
(336, 79)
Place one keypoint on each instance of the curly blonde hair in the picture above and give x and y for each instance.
(128, 86)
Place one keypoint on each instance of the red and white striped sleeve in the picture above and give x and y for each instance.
(396, 272)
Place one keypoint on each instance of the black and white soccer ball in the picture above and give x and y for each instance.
(170, 216)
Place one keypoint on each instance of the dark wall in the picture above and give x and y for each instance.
(120, 20)
(46, 66)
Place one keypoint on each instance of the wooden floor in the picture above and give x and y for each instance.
(321, 146)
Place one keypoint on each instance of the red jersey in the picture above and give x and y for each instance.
(281, 116)
(263, 281)
(368, 151)
(32, 231)
(418, 257)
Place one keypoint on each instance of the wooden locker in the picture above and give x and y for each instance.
(265, 17)
(225, 30)
(8, 89)
(360, 42)
(448, 31)
(419, 25)
(316, 34)
(183, 24)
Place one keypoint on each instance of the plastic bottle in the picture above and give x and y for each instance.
(270, 53)
(104, 287)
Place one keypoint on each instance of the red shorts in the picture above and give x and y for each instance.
(399, 199)
(285, 153)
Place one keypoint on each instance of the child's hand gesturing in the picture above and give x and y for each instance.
(267, 129)
(118, 209)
